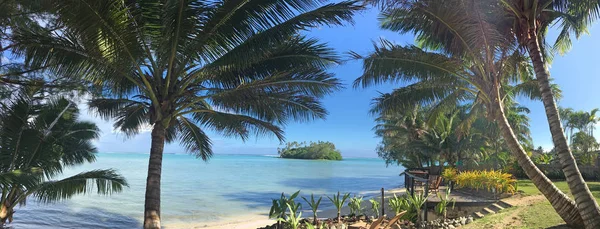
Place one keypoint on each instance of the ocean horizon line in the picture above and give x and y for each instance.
(235, 154)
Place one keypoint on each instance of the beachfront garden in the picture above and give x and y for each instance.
(238, 68)
(426, 206)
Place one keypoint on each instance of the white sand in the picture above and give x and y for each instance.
(255, 221)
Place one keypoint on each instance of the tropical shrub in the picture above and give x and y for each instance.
(442, 207)
(338, 201)
(293, 218)
(355, 206)
(375, 207)
(416, 203)
(314, 151)
(314, 205)
(492, 180)
(450, 174)
(282, 205)
(399, 203)
(410, 203)
(543, 159)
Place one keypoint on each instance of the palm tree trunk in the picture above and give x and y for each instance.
(564, 206)
(152, 205)
(588, 208)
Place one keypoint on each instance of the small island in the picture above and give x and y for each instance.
(312, 151)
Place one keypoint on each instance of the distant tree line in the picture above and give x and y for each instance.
(313, 151)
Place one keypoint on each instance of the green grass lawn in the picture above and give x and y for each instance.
(537, 215)
(528, 188)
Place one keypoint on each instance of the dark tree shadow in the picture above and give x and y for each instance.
(33, 218)
(331, 185)
(326, 187)
(562, 226)
(254, 199)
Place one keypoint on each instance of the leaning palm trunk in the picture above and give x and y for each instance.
(588, 208)
(564, 206)
(152, 204)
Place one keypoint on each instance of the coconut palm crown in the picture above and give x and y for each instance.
(527, 22)
(472, 62)
(186, 66)
(38, 139)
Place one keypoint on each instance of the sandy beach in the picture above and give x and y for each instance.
(255, 221)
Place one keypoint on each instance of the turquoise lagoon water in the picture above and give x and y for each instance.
(200, 192)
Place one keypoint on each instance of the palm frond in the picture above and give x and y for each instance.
(236, 125)
(103, 181)
(193, 139)
(130, 115)
(394, 63)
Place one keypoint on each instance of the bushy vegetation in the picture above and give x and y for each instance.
(492, 180)
(314, 151)
(412, 204)
(442, 207)
(286, 210)
(39, 138)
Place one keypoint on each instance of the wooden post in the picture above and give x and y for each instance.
(412, 186)
(382, 203)
(426, 194)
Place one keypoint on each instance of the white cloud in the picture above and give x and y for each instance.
(145, 128)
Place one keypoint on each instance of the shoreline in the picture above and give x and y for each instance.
(253, 221)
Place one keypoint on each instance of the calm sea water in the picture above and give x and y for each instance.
(196, 191)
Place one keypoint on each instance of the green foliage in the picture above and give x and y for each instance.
(292, 221)
(310, 226)
(314, 205)
(355, 206)
(280, 206)
(450, 174)
(314, 151)
(399, 203)
(38, 139)
(412, 204)
(445, 200)
(338, 201)
(416, 203)
(493, 181)
(375, 205)
(543, 159)
(235, 68)
(402, 203)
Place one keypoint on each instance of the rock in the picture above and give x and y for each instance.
(451, 227)
(469, 220)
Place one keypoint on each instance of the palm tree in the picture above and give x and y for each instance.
(38, 138)
(14, 74)
(473, 63)
(565, 119)
(183, 67)
(401, 139)
(528, 22)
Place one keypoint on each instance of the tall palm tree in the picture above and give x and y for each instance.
(565, 119)
(398, 133)
(528, 22)
(183, 67)
(407, 138)
(472, 62)
(38, 138)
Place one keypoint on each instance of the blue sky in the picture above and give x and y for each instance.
(349, 124)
